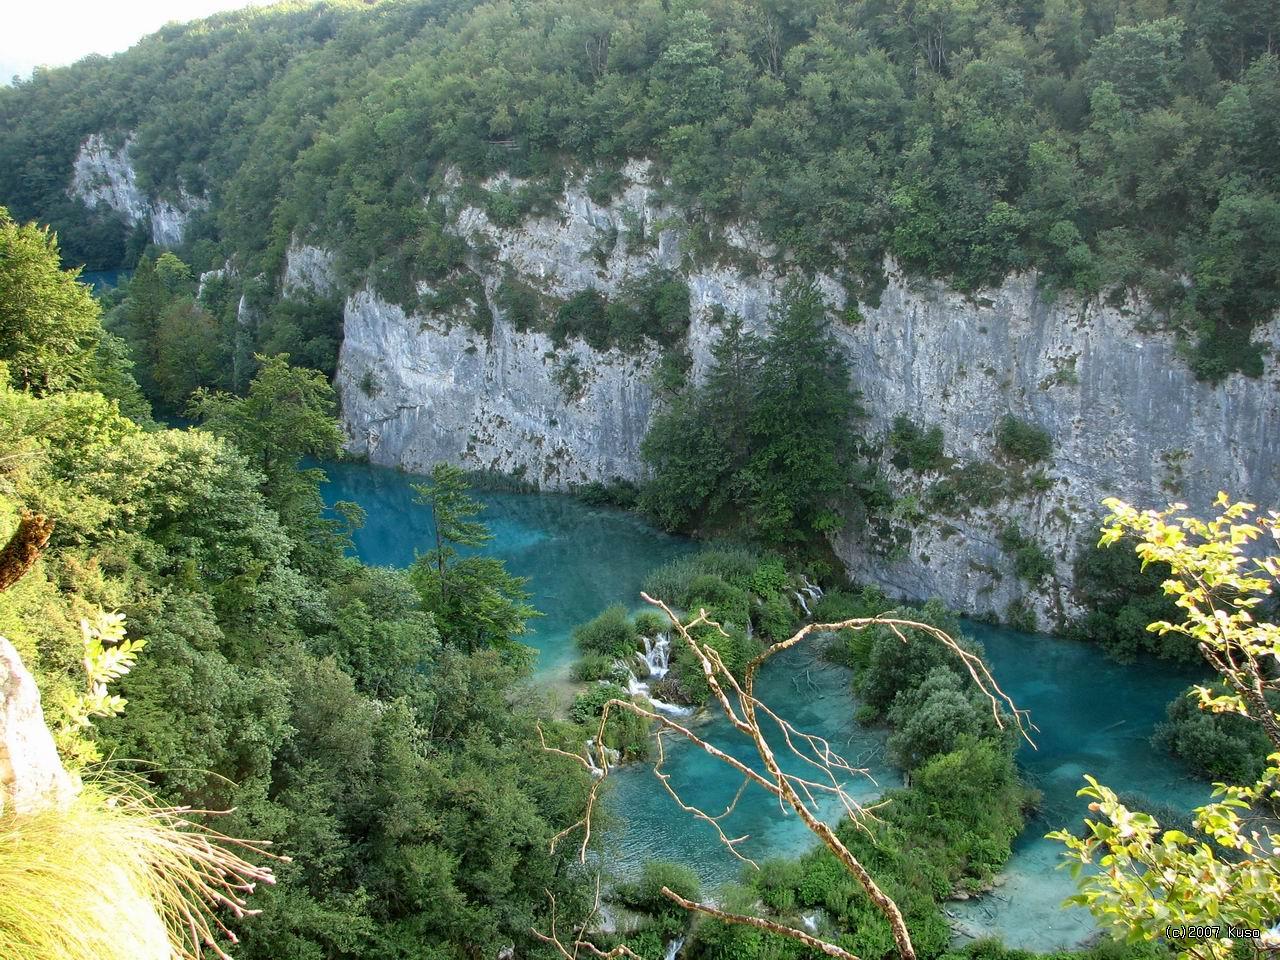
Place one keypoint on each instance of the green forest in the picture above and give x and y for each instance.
(282, 752)
(1114, 145)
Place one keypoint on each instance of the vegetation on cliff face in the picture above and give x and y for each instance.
(1110, 143)
(316, 696)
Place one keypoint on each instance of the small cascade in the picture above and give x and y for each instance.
(673, 948)
(657, 655)
(656, 658)
(810, 921)
(808, 591)
(611, 756)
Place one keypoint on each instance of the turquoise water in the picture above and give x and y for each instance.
(1093, 715)
(579, 559)
(100, 280)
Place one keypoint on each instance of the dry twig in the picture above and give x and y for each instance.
(796, 793)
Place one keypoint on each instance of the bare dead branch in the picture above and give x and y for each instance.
(795, 793)
(830, 949)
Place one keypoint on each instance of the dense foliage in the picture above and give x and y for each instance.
(763, 446)
(1225, 871)
(1217, 746)
(1113, 144)
(1122, 596)
(316, 696)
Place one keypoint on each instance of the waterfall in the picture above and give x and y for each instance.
(657, 655)
(656, 658)
(808, 591)
(673, 948)
(610, 755)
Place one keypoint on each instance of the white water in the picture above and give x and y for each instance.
(656, 658)
(808, 591)
(673, 948)
(611, 757)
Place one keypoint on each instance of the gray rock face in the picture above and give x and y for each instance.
(1125, 414)
(105, 175)
(31, 774)
(416, 392)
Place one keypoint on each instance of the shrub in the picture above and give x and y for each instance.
(519, 302)
(893, 666)
(976, 484)
(963, 809)
(723, 602)
(770, 576)
(582, 315)
(610, 634)
(1020, 440)
(774, 617)
(1030, 561)
(1222, 746)
(594, 666)
(645, 895)
(672, 581)
(618, 492)
(589, 704)
(1122, 598)
(931, 719)
(650, 623)
(916, 448)
(1019, 615)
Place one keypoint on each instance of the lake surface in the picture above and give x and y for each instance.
(1094, 716)
(579, 559)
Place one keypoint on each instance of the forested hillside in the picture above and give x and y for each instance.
(1112, 144)
(339, 710)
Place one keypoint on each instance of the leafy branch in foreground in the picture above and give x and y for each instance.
(1224, 885)
(102, 868)
(824, 770)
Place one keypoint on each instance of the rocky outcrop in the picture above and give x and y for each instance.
(32, 777)
(415, 392)
(1125, 415)
(105, 174)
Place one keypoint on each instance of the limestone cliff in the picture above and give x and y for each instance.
(1125, 415)
(105, 174)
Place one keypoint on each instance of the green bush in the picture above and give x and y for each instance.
(520, 303)
(645, 895)
(774, 617)
(594, 666)
(916, 448)
(931, 718)
(1121, 598)
(650, 623)
(616, 493)
(1030, 561)
(610, 634)
(1020, 440)
(671, 581)
(893, 666)
(588, 705)
(976, 484)
(1220, 746)
(963, 810)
